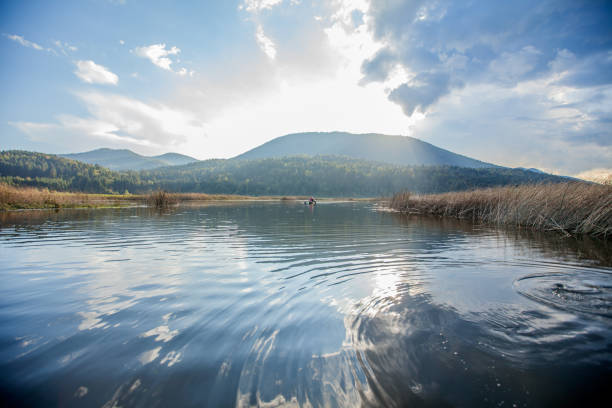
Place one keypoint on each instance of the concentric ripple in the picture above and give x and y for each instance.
(281, 304)
(584, 291)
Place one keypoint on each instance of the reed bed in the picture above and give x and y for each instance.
(572, 208)
(30, 197)
(161, 199)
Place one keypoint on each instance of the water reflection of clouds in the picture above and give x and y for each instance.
(149, 356)
(163, 332)
(343, 311)
(171, 358)
(115, 287)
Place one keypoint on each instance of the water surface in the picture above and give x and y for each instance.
(281, 304)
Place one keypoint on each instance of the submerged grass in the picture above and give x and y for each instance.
(571, 208)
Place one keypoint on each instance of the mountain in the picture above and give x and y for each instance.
(330, 176)
(123, 159)
(174, 159)
(400, 150)
(533, 169)
(21, 168)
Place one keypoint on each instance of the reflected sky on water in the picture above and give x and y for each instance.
(282, 304)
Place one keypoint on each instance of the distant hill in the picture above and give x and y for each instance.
(175, 159)
(123, 159)
(330, 176)
(400, 150)
(21, 168)
(531, 169)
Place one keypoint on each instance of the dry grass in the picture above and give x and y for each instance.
(31, 198)
(571, 208)
(28, 197)
(161, 199)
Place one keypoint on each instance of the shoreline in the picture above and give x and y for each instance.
(30, 198)
(571, 208)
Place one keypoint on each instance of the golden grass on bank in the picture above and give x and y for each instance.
(32, 198)
(571, 208)
(29, 197)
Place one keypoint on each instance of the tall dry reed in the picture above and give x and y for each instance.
(30, 197)
(570, 208)
(161, 199)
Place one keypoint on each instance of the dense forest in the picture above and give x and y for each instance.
(298, 175)
(22, 168)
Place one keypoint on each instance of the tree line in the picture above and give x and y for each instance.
(298, 175)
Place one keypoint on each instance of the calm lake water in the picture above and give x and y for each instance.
(280, 304)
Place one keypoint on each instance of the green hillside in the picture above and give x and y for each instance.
(298, 175)
(23, 168)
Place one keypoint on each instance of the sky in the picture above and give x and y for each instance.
(515, 83)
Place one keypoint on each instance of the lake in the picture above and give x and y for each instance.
(282, 304)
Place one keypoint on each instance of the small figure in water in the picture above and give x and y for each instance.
(312, 201)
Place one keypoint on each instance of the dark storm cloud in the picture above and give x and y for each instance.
(423, 91)
(497, 42)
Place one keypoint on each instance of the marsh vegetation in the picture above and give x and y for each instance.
(570, 208)
(14, 198)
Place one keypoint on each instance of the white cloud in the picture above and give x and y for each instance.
(33, 129)
(516, 101)
(312, 86)
(512, 82)
(265, 43)
(92, 73)
(520, 126)
(334, 103)
(158, 54)
(24, 42)
(255, 6)
(91, 127)
(121, 42)
(150, 123)
(510, 67)
(117, 120)
(64, 47)
(598, 175)
(185, 71)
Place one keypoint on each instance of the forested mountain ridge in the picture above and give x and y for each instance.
(298, 175)
(399, 150)
(124, 159)
(22, 168)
